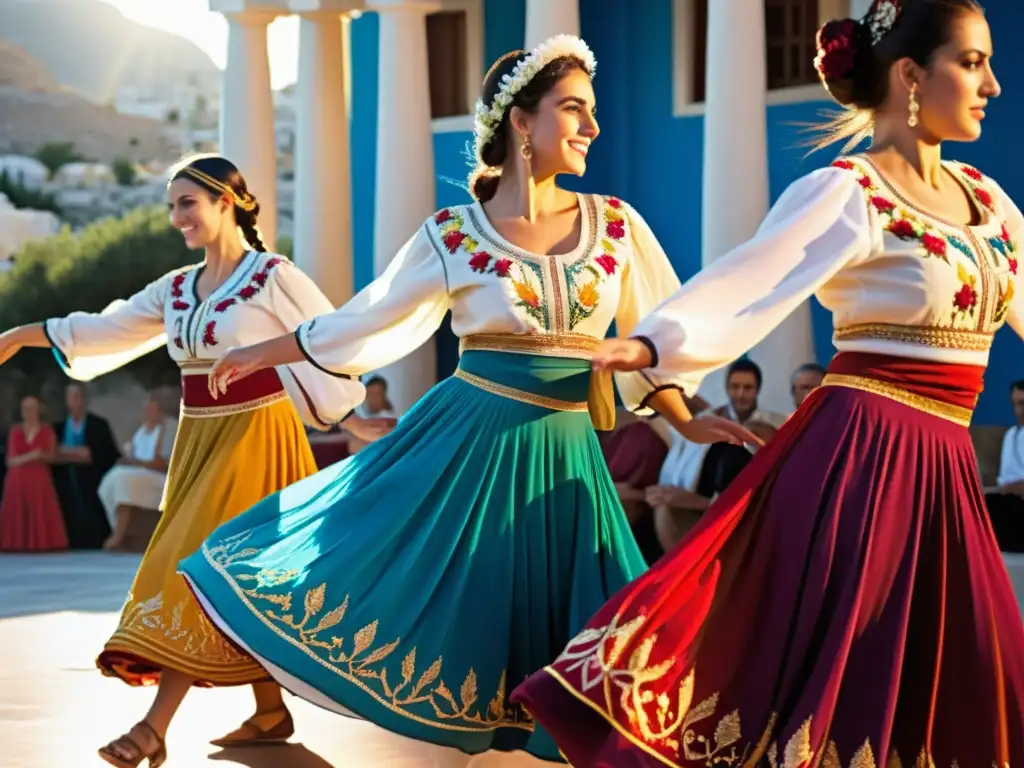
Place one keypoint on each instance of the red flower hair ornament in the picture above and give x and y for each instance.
(837, 49)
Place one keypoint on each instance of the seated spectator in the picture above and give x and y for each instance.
(30, 519)
(1006, 501)
(137, 481)
(694, 474)
(634, 454)
(375, 406)
(805, 379)
(743, 382)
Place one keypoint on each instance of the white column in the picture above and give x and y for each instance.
(247, 113)
(405, 187)
(546, 18)
(736, 179)
(323, 186)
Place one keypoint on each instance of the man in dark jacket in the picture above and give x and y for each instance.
(86, 452)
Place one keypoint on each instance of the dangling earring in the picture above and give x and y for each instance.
(914, 107)
(526, 150)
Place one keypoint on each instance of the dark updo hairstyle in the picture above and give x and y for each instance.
(220, 177)
(483, 181)
(856, 72)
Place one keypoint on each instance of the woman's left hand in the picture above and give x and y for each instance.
(234, 365)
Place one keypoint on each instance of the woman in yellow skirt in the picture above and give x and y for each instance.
(228, 454)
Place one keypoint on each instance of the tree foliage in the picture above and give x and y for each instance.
(23, 197)
(87, 270)
(58, 153)
(124, 171)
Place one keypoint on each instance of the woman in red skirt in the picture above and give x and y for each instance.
(844, 602)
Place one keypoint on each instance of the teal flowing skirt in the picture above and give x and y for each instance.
(417, 583)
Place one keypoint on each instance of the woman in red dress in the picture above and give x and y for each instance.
(843, 602)
(30, 519)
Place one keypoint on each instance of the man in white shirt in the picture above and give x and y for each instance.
(743, 384)
(1006, 500)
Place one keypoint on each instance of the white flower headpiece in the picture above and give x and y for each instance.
(488, 116)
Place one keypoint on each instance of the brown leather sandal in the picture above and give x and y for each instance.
(252, 735)
(125, 752)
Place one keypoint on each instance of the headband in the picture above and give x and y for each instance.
(489, 116)
(247, 203)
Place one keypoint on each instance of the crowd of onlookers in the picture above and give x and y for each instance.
(666, 483)
(69, 485)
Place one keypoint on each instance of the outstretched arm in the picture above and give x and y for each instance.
(89, 344)
(16, 339)
(819, 226)
(387, 320)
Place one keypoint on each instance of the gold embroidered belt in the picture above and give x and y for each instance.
(575, 345)
(946, 338)
(520, 395)
(259, 390)
(948, 411)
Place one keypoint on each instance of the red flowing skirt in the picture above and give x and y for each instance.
(843, 603)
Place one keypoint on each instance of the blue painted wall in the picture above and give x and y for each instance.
(653, 159)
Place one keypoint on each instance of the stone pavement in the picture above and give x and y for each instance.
(56, 709)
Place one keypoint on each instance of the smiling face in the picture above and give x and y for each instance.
(563, 126)
(196, 213)
(955, 89)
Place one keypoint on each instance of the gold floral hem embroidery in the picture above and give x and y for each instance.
(182, 629)
(364, 660)
(667, 727)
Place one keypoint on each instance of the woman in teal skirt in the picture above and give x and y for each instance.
(417, 583)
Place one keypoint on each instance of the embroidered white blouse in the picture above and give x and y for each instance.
(457, 261)
(897, 279)
(265, 297)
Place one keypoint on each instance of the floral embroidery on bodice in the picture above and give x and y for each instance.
(194, 326)
(577, 292)
(961, 276)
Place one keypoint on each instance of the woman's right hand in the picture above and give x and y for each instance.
(370, 429)
(9, 345)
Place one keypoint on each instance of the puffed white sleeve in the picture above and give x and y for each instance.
(1015, 229)
(391, 317)
(88, 345)
(647, 281)
(322, 399)
(818, 226)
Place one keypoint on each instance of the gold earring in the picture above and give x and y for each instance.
(914, 107)
(526, 149)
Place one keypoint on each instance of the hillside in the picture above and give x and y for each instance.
(89, 46)
(34, 110)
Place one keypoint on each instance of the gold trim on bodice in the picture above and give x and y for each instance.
(943, 338)
(575, 345)
(955, 413)
(520, 395)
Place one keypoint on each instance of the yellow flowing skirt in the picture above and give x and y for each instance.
(220, 466)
